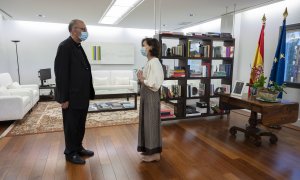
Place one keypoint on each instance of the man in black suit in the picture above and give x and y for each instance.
(74, 90)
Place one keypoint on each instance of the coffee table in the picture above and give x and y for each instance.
(112, 94)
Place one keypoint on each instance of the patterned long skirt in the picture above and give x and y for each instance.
(149, 137)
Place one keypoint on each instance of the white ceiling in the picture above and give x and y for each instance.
(174, 12)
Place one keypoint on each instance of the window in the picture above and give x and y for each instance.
(292, 56)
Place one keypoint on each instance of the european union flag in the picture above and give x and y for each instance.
(277, 72)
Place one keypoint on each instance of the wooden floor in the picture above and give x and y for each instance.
(194, 149)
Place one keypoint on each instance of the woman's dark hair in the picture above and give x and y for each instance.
(152, 42)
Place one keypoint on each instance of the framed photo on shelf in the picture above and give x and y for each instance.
(238, 88)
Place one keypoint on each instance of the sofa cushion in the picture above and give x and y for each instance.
(98, 81)
(14, 85)
(122, 81)
(120, 73)
(4, 91)
(5, 79)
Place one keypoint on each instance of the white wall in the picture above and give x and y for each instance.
(39, 42)
(250, 26)
(3, 58)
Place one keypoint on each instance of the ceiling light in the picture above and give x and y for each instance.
(117, 10)
(41, 16)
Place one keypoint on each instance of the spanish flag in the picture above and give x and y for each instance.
(257, 68)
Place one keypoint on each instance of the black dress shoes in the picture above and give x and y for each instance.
(85, 152)
(75, 159)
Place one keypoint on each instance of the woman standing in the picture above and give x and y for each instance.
(151, 78)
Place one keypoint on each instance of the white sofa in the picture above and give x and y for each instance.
(16, 100)
(114, 80)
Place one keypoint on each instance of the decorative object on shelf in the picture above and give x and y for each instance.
(219, 90)
(168, 52)
(226, 88)
(164, 49)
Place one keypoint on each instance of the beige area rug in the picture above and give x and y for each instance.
(47, 117)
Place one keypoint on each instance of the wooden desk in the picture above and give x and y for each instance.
(271, 114)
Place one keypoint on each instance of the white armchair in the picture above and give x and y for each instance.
(14, 104)
(7, 82)
(16, 100)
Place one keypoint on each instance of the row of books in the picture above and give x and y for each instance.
(166, 113)
(172, 91)
(110, 105)
(177, 50)
(195, 90)
(223, 52)
(171, 33)
(221, 70)
(176, 72)
(198, 50)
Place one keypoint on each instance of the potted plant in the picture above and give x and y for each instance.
(267, 94)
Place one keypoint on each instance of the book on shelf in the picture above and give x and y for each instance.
(93, 107)
(170, 33)
(213, 34)
(103, 106)
(128, 106)
(167, 117)
(201, 89)
(114, 105)
(196, 34)
(223, 51)
(212, 89)
(177, 72)
(178, 50)
(226, 88)
(166, 113)
(206, 68)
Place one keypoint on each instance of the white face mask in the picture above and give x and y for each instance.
(83, 36)
(143, 51)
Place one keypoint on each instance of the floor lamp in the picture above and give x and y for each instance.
(16, 42)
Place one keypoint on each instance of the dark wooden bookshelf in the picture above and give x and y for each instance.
(180, 105)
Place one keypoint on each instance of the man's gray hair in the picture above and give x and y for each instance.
(72, 23)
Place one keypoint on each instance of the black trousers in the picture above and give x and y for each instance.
(74, 129)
